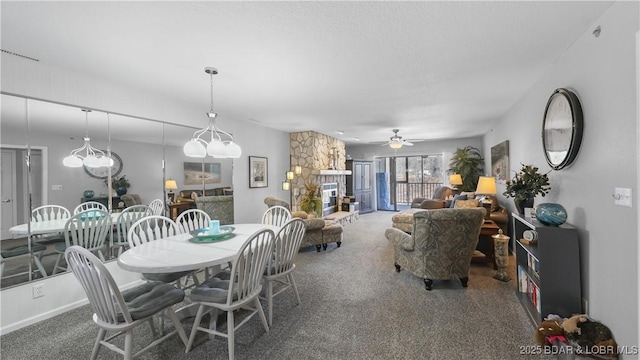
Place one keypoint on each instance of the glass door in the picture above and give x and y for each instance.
(404, 178)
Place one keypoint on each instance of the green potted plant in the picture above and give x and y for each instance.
(469, 164)
(526, 185)
(119, 183)
(309, 201)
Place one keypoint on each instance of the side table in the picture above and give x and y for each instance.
(485, 242)
(176, 209)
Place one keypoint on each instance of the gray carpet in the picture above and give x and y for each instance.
(354, 306)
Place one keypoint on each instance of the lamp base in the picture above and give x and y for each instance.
(502, 277)
(171, 196)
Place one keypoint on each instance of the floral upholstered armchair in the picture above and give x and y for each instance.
(441, 244)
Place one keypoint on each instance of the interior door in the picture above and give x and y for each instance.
(8, 192)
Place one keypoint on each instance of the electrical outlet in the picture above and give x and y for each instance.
(38, 291)
(585, 306)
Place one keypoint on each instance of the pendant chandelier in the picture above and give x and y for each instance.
(221, 144)
(92, 157)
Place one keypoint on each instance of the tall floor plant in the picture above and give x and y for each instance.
(467, 162)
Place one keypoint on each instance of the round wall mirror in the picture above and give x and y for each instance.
(562, 128)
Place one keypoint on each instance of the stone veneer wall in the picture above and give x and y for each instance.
(311, 150)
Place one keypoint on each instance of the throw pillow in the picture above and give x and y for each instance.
(470, 194)
(466, 203)
(457, 197)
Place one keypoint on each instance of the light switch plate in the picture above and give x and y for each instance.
(56, 187)
(622, 197)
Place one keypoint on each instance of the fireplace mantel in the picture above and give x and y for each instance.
(330, 172)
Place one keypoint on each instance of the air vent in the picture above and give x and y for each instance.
(18, 55)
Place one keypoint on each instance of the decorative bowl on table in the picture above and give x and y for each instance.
(204, 236)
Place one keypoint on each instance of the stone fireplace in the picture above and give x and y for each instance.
(322, 159)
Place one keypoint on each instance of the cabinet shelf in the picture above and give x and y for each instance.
(548, 273)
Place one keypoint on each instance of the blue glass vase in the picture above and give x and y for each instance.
(88, 194)
(551, 214)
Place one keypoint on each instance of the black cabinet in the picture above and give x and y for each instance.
(360, 183)
(547, 268)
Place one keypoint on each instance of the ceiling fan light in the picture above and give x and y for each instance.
(216, 148)
(395, 145)
(72, 161)
(233, 150)
(193, 148)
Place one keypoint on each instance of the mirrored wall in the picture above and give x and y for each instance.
(145, 151)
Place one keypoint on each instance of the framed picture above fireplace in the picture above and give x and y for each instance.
(258, 172)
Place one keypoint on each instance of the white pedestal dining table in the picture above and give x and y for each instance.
(47, 226)
(177, 253)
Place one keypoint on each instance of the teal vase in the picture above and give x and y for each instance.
(88, 194)
(551, 214)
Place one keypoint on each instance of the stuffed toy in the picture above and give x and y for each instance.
(594, 337)
(570, 325)
(548, 331)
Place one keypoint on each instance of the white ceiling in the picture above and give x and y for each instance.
(434, 70)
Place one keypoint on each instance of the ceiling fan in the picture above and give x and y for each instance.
(396, 141)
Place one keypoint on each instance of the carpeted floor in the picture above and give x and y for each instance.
(354, 306)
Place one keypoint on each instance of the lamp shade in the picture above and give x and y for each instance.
(455, 179)
(297, 169)
(233, 150)
(286, 186)
(194, 149)
(486, 185)
(289, 175)
(170, 184)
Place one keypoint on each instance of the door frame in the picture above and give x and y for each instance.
(14, 191)
(45, 174)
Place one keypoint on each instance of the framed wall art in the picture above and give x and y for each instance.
(258, 172)
(197, 173)
(500, 162)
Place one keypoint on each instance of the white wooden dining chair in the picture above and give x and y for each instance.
(192, 219)
(281, 265)
(276, 215)
(32, 251)
(157, 207)
(121, 312)
(88, 229)
(89, 205)
(124, 221)
(152, 228)
(47, 213)
(239, 288)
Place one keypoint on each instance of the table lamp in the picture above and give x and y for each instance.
(486, 186)
(455, 180)
(170, 185)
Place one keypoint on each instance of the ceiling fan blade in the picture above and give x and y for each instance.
(415, 140)
(407, 143)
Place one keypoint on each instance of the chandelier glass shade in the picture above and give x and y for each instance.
(220, 144)
(395, 145)
(87, 155)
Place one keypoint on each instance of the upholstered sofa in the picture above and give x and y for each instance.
(218, 207)
(318, 232)
(440, 246)
(191, 195)
(437, 201)
(403, 220)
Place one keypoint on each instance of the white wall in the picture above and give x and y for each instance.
(602, 71)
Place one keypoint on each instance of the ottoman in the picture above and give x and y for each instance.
(331, 232)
